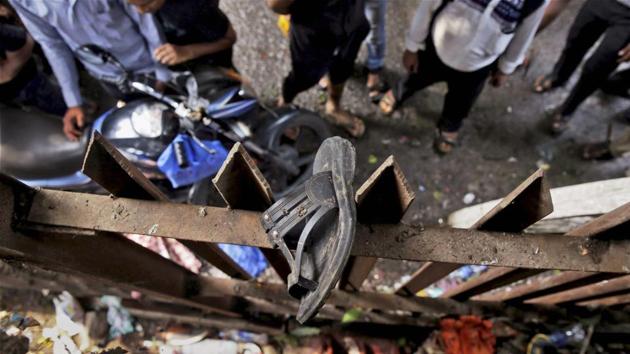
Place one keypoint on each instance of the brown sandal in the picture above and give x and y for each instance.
(597, 151)
(350, 123)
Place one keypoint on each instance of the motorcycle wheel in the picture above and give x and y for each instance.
(295, 137)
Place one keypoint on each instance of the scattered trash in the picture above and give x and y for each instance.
(403, 139)
(469, 198)
(386, 141)
(422, 188)
(460, 335)
(305, 331)
(509, 109)
(351, 315)
(557, 339)
(69, 318)
(119, 319)
(372, 159)
(249, 258)
(512, 159)
(437, 195)
(543, 165)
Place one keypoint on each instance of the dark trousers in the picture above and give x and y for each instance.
(596, 18)
(317, 52)
(618, 84)
(42, 93)
(463, 87)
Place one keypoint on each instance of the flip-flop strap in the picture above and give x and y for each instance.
(313, 201)
(299, 285)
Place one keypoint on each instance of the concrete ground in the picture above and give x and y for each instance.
(502, 142)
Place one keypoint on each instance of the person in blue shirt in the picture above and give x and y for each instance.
(62, 26)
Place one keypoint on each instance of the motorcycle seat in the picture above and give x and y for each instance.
(33, 146)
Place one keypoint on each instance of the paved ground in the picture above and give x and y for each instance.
(503, 141)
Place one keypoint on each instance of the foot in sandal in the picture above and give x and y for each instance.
(444, 142)
(349, 122)
(376, 86)
(597, 151)
(388, 103)
(545, 83)
(559, 124)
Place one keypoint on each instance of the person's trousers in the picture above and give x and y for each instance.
(618, 84)
(596, 18)
(463, 87)
(43, 94)
(315, 53)
(375, 11)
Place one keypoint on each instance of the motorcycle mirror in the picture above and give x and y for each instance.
(192, 87)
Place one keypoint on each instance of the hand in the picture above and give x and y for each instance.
(171, 54)
(624, 54)
(498, 78)
(410, 61)
(73, 122)
(160, 86)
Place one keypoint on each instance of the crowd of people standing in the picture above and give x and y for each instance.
(464, 43)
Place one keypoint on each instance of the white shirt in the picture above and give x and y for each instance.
(471, 34)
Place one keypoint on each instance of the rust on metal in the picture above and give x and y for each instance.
(382, 199)
(491, 279)
(112, 171)
(544, 285)
(400, 241)
(602, 289)
(525, 205)
(243, 186)
(612, 224)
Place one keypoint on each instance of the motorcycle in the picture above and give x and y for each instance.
(179, 139)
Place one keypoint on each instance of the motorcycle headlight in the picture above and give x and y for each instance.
(146, 119)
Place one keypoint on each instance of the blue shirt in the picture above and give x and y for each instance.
(61, 26)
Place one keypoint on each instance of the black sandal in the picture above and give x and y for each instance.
(324, 209)
(545, 83)
(597, 151)
(443, 145)
(376, 92)
(559, 124)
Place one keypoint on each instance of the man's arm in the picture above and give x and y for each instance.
(419, 30)
(171, 54)
(282, 7)
(150, 30)
(515, 52)
(57, 52)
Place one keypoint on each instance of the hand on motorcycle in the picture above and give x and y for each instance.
(73, 123)
(171, 54)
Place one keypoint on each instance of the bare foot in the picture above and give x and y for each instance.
(323, 83)
(280, 102)
(373, 79)
(351, 123)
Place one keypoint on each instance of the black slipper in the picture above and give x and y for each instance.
(597, 151)
(323, 208)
